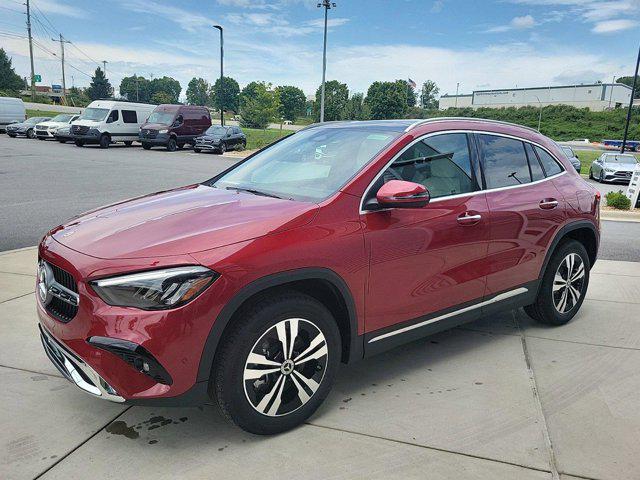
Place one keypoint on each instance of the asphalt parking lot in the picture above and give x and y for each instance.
(501, 398)
(498, 398)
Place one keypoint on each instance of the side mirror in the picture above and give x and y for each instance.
(401, 194)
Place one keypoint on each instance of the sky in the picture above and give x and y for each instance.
(478, 44)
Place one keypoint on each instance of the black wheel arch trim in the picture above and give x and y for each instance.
(279, 279)
(562, 233)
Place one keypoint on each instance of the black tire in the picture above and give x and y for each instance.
(128, 143)
(40, 138)
(284, 407)
(591, 174)
(105, 140)
(31, 134)
(79, 143)
(172, 145)
(197, 150)
(61, 140)
(242, 146)
(146, 146)
(222, 149)
(544, 309)
(180, 146)
(11, 135)
(601, 176)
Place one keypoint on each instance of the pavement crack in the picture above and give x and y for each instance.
(31, 371)
(50, 467)
(15, 298)
(553, 465)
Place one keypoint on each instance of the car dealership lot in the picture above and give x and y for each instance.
(497, 398)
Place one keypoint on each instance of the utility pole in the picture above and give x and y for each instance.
(33, 73)
(64, 83)
(633, 92)
(327, 5)
(613, 81)
(104, 67)
(457, 89)
(219, 27)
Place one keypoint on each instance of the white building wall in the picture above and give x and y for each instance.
(450, 101)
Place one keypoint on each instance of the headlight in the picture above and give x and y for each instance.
(163, 131)
(156, 289)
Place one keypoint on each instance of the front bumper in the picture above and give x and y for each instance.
(618, 176)
(161, 139)
(16, 131)
(45, 133)
(207, 146)
(92, 136)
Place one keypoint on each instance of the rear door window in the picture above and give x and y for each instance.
(550, 165)
(129, 116)
(505, 161)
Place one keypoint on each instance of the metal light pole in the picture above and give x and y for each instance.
(457, 90)
(327, 5)
(540, 112)
(221, 74)
(104, 67)
(633, 92)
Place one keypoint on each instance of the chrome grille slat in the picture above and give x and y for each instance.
(64, 295)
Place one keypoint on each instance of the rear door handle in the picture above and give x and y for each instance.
(467, 219)
(548, 203)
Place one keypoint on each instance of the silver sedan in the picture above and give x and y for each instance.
(613, 167)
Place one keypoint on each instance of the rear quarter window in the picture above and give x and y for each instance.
(550, 165)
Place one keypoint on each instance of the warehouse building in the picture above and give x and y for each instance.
(596, 97)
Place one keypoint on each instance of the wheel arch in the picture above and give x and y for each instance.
(323, 284)
(583, 231)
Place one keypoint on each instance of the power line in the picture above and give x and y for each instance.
(46, 18)
(12, 10)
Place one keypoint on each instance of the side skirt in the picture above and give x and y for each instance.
(386, 338)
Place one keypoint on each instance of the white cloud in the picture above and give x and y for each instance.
(187, 20)
(437, 6)
(611, 26)
(516, 23)
(58, 7)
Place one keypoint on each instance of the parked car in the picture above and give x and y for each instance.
(573, 158)
(49, 128)
(63, 134)
(11, 111)
(613, 167)
(333, 244)
(105, 122)
(220, 139)
(173, 126)
(26, 128)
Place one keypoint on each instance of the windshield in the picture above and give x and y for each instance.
(620, 159)
(165, 118)
(310, 165)
(34, 120)
(95, 114)
(216, 130)
(63, 118)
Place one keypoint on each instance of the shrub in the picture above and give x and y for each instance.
(618, 200)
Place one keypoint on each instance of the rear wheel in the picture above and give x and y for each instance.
(62, 140)
(11, 135)
(146, 146)
(197, 150)
(601, 177)
(223, 148)
(277, 364)
(79, 143)
(128, 143)
(243, 145)
(591, 174)
(105, 140)
(180, 146)
(563, 286)
(172, 145)
(40, 138)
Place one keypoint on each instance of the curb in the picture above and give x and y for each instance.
(16, 250)
(633, 217)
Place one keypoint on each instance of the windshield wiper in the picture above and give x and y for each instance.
(254, 191)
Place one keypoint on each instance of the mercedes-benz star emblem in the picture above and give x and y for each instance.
(45, 276)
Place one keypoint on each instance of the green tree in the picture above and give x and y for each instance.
(428, 95)
(258, 105)
(198, 92)
(170, 86)
(387, 99)
(292, 102)
(356, 108)
(162, 97)
(336, 95)
(10, 81)
(99, 86)
(78, 97)
(226, 94)
(136, 89)
(629, 81)
(411, 95)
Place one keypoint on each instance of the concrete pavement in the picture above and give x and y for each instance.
(498, 398)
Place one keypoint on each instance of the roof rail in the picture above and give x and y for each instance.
(465, 119)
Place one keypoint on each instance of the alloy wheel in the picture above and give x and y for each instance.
(285, 367)
(568, 283)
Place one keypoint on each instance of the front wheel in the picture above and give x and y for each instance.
(564, 285)
(146, 146)
(172, 145)
(197, 150)
(62, 140)
(11, 135)
(601, 177)
(79, 143)
(223, 148)
(277, 364)
(591, 174)
(104, 141)
(30, 133)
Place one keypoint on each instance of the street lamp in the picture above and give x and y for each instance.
(221, 74)
(540, 113)
(327, 5)
(633, 91)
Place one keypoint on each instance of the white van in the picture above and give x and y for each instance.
(105, 122)
(11, 111)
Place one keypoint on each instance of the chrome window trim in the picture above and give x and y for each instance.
(460, 195)
(497, 298)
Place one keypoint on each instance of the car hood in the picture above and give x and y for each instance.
(154, 126)
(17, 125)
(181, 221)
(210, 137)
(86, 123)
(620, 167)
(52, 124)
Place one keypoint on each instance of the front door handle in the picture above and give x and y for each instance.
(469, 218)
(548, 203)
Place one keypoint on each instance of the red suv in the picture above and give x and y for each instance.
(333, 244)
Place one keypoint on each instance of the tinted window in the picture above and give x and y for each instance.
(129, 116)
(505, 163)
(534, 164)
(441, 163)
(550, 166)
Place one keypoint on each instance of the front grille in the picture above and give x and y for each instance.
(147, 133)
(623, 174)
(63, 311)
(79, 129)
